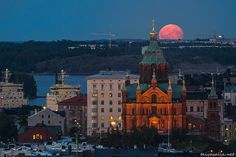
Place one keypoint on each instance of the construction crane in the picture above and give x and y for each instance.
(110, 36)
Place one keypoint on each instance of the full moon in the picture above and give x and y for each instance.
(171, 31)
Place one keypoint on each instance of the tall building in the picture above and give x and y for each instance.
(59, 92)
(154, 101)
(75, 114)
(11, 94)
(104, 99)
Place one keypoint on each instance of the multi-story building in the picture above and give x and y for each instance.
(48, 118)
(230, 94)
(154, 101)
(11, 95)
(229, 129)
(75, 114)
(104, 99)
(59, 92)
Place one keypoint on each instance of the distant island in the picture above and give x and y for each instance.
(88, 57)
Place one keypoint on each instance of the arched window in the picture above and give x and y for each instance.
(154, 98)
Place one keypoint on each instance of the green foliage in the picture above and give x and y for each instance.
(8, 130)
(49, 56)
(138, 136)
(29, 84)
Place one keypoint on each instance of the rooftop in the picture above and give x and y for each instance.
(77, 100)
(112, 75)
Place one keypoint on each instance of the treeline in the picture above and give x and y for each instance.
(47, 57)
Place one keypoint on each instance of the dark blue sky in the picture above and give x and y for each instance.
(22, 20)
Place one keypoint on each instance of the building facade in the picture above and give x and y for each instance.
(39, 133)
(230, 94)
(229, 129)
(104, 99)
(75, 114)
(48, 118)
(154, 101)
(59, 92)
(11, 95)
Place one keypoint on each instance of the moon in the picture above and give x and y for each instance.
(172, 32)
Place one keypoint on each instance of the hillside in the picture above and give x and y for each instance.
(76, 57)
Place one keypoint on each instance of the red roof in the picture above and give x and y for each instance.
(77, 100)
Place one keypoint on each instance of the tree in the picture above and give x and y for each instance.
(8, 130)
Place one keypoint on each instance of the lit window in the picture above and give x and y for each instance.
(111, 118)
(102, 117)
(110, 94)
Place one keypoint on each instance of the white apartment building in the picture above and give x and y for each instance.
(11, 95)
(60, 92)
(104, 100)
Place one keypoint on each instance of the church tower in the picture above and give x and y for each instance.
(213, 115)
(153, 60)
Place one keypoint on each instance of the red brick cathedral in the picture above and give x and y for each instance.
(154, 101)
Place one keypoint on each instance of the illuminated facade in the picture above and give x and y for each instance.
(154, 101)
(104, 100)
(11, 94)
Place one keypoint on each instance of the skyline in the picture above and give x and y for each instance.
(78, 19)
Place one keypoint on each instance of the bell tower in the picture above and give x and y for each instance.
(153, 60)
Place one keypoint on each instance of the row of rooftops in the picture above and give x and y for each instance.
(113, 75)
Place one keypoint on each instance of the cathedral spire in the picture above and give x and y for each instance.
(213, 94)
(153, 25)
(184, 85)
(169, 85)
(153, 33)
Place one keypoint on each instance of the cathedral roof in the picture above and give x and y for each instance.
(153, 54)
(176, 90)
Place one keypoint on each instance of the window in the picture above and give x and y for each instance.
(94, 125)
(94, 102)
(110, 86)
(119, 102)
(154, 98)
(119, 95)
(119, 86)
(42, 116)
(119, 109)
(110, 102)
(102, 125)
(154, 109)
(102, 117)
(49, 122)
(102, 95)
(110, 109)
(102, 86)
(48, 116)
(191, 108)
(110, 95)
(198, 109)
(202, 109)
(94, 110)
(102, 109)
(94, 86)
(102, 102)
